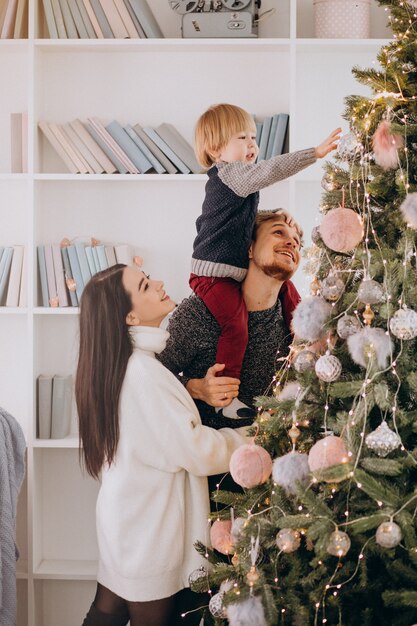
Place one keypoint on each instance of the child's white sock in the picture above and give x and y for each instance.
(237, 410)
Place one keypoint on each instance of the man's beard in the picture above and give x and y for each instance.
(275, 270)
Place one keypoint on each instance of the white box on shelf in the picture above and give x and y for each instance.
(342, 19)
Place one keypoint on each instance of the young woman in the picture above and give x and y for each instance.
(142, 435)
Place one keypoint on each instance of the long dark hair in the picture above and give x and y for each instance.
(105, 348)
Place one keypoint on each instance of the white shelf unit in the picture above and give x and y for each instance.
(145, 81)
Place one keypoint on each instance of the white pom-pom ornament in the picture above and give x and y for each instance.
(288, 540)
(386, 146)
(290, 469)
(328, 368)
(341, 229)
(249, 612)
(409, 209)
(310, 317)
(403, 324)
(388, 535)
(326, 453)
(250, 465)
(370, 343)
(290, 391)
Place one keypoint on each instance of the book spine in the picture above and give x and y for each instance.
(44, 126)
(271, 137)
(90, 260)
(69, 278)
(280, 135)
(68, 20)
(157, 166)
(113, 145)
(5, 263)
(92, 164)
(59, 275)
(50, 19)
(16, 143)
(82, 260)
(23, 291)
(9, 19)
(78, 20)
(13, 289)
(59, 19)
(50, 275)
(162, 145)
(129, 147)
(42, 275)
(102, 19)
(266, 126)
(76, 271)
(114, 19)
(108, 151)
(93, 18)
(124, 253)
(135, 20)
(86, 168)
(146, 19)
(110, 255)
(21, 21)
(179, 145)
(101, 256)
(105, 163)
(44, 407)
(25, 151)
(56, 129)
(61, 406)
(126, 19)
(86, 20)
(169, 167)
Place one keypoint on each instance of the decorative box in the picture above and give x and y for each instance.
(342, 19)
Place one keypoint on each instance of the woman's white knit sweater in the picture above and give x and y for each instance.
(153, 502)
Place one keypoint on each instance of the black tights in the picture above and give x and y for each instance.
(164, 612)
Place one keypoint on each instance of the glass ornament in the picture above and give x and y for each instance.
(348, 146)
(197, 574)
(252, 576)
(403, 324)
(348, 325)
(383, 440)
(216, 607)
(339, 543)
(329, 183)
(332, 287)
(328, 368)
(315, 235)
(304, 361)
(388, 535)
(288, 540)
(370, 292)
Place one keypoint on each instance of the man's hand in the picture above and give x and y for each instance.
(214, 390)
(328, 144)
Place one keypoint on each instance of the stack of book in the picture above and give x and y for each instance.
(271, 134)
(14, 19)
(98, 19)
(54, 399)
(19, 142)
(65, 268)
(13, 276)
(93, 148)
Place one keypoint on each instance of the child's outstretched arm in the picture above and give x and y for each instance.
(328, 144)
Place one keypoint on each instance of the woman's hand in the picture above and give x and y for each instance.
(328, 144)
(217, 391)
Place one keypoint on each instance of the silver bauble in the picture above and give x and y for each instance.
(388, 535)
(197, 575)
(339, 543)
(315, 235)
(383, 440)
(288, 540)
(370, 292)
(304, 361)
(348, 146)
(328, 182)
(332, 287)
(216, 607)
(348, 325)
(403, 324)
(328, 368)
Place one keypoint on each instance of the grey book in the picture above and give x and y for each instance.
(266, 127)
(271, 137)
(86, 20)
(166, 163)
(146, 19)
(42, 276)
(162, 145)
(61, 406)
(83, 262)
(5, 263)
(59, 19)
(68, 20)
(179, 145)
(76, 270)
(258, 132)
(68, 276)
(135, 20)
(102, 19)
(279, 140)
(108, 152)
(78, 20)
(44, 406)
(50, 20)
(157, 166)
(129, 147)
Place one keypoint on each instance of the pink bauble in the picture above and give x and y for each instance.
(250, 465)
(341, 229)
(326, 453)
(220, 536)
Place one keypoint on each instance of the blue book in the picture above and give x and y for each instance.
(280, 134)
(146, 19)
(5, 263)
(266, 127)
(157, 166)
(82, 260)
(90, 260)
(129, 147)
(271, 137)
(42, 276)
(76, 271)
(109, 153)
(101, 256)
(170, 154)
(258, 132)
(68, 276)
(102, 19)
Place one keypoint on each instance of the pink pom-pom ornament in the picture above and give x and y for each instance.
(221, 537)
(250, 465)
(386, 146)
(341, 229)
(326, 453)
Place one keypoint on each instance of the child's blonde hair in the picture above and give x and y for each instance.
(216, 127)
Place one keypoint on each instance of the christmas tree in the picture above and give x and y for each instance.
(325, 531)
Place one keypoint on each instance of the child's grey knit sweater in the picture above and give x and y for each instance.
(225, 226)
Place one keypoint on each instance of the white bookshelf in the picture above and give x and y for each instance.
(147, 81)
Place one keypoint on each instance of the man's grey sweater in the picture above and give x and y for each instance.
(191, 350)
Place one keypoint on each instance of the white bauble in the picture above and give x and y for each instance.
(403, 324)
(304, 361)
(383, 440)
(290, 469)
(197, 575)
(388, 535)
(332, 287)
(288, 540)
(249, 612)
(216, 607)
(339, 543)
(348, 146)
(328, 368)
(348, 325)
